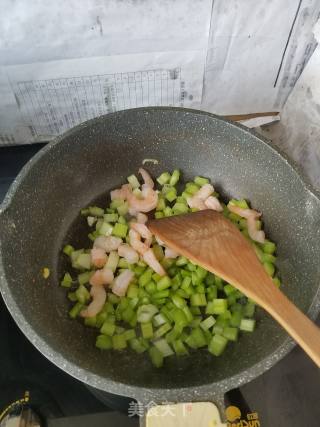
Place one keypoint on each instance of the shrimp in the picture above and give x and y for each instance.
(148, 182)
(135, 242)
(120, 193)
(98, 257)
(213, 203)
(128, 253)
(142, 229)
(101, 277)
(251, 215)
(170, 253)
(99, 296)
(147, 203)
(150, 258)
(108, 244)
(141, 218)
(121, 282)
(198, 199)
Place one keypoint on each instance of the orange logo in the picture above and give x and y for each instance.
(234, 418)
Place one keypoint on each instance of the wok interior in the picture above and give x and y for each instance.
(44, 214)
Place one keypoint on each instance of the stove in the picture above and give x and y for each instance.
(286, 395)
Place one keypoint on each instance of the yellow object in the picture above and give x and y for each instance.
(233, 413)
(45, 272)
(199, 414)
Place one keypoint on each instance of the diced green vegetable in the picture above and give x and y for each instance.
(217, 345)
(66, 281)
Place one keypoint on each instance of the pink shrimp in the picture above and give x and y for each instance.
(101, 277)
(195, 202)
(108, 244)
(213, 203)
(142, 229)
(128, 253)
(150, 258)
(146, 204)
(148, 182)
(121, 282)
(170, 253)
(99, 296)
(119, 193)
(98, 257)
(198, 199)
(135, 242)
(141, 218)
(251, 215)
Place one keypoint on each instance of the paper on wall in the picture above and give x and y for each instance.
(54, 96)
(256, 52)
(64, 62)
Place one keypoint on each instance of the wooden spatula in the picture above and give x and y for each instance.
(212, 241)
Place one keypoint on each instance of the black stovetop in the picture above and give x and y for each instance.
(286, 395)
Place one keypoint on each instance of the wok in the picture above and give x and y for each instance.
(41, 213)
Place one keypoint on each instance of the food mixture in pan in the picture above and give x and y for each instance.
(140, 294)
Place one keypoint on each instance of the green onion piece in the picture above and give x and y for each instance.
(133, 181)
(146, 312)
(66, 281)
(156, 357)
(174, 177)
(247, 325)
(120, 230)
(68, 249)
(162, 330)
(217, 345)
(108, 328)
(199, 180)
(164, 178)
(113, 260)
(104, 342)
(75, 311)
(82, 294)
(147, 330)
(95, 211)
(119, 342)
(207, 323)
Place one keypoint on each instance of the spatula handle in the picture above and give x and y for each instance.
(299, 326)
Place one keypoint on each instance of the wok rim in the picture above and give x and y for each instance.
(200, 392)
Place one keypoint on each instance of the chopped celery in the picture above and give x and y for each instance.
(174, 177)
(163, 283)
(84, 278)
(147, 330)
(82, 294)
(156, 357)
(110, 217)
(207, 323)
(66, 281)
(119, 342)
(83, 261)
(123, 209)
(270, 268)
(146, 312)
(180, 348)
(104, 342)
(217, 345)
(247, 325)
(95, 211)
(113, 260)
(217, 306)
(199, 180)
(230, 333)
(75, 311)
(105, 229)
(108, 328)
(163, 347)
(164, 178)
(68, 249)
(120, 230)
(162, 330)
(133, 181)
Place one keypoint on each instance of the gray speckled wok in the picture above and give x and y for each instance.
(41, 213)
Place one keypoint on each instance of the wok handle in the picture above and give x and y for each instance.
(297, 324)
